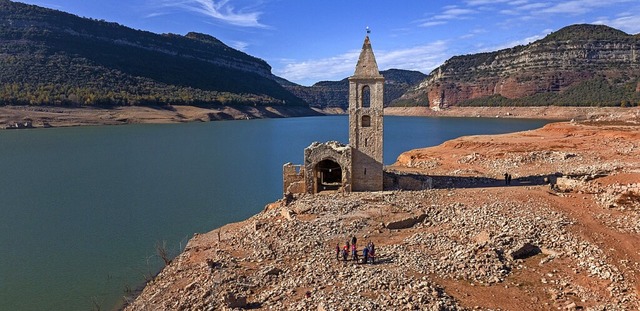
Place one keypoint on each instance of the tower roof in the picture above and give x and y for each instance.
(367, 66)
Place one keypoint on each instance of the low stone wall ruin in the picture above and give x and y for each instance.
(293, 179)
(405, 181)
(612, 196)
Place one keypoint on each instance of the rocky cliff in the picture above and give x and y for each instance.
(577, 65)
(335, 94)
(49, 57)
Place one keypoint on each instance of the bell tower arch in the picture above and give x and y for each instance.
(366, 88)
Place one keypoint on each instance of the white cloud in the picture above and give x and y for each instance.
(629, 24)
(239, 45)
(511, 44)
(532, 6)
(449, 13)
(423, 58)
(220, 10)
(508, 12)
(578, 7)
(453, 13)
(432, 23)
(474, 33)
(309, 71)
(484, 2)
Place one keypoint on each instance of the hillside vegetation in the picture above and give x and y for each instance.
(49, 57)
(579, 65)
(335, 94)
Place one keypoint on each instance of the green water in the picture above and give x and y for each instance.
(81, 209)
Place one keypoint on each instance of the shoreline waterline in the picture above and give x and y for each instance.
(70, 187)
(52, 116)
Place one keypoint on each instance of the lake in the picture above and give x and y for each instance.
(82, 209)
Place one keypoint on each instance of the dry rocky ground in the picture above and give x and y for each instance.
(470, 243)
(49, 116)
(548, 112)
(63, 116)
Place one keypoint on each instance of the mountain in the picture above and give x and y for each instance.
(577, 65)
(51, 57)
(335, 94)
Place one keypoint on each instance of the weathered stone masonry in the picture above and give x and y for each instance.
(366, 114)
(355, 167)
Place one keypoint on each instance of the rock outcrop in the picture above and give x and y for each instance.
(600, 64)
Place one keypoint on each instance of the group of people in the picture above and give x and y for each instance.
(507, 179)
(368, 253)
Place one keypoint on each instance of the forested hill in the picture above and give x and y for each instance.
(335, 94)
(587, 65)
(48, 57)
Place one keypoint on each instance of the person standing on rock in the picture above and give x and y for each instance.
(365, 254)
(338, 251)
(372, 252)
(345, 251)
(506, 178)
(354, 240)
(354, 252)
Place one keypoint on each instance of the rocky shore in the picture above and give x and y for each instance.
(46, 116)
(547, 112)
(470, 243)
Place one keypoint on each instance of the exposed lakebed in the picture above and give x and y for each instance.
(83, 208)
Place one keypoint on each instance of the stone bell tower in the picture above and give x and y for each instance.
(366, 88)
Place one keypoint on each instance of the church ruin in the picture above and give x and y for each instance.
(333, 166)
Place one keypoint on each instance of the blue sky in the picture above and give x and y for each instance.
(310, 41)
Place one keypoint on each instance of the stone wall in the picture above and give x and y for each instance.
(333, 151)
(293, 179)
(405, 181)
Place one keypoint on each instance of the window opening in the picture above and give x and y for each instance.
(366, 121)
(366, 96)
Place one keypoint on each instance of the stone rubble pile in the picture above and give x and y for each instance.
(535, 157)
(288, 263)
(620, 196)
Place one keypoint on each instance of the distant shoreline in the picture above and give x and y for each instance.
(546, 113)
(51, 116)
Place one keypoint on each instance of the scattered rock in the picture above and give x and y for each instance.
(405, 223)
(525, 251)
(232, 300)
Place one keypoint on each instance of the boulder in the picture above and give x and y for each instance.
(482, 238)
(232, 300)
(567, 184)
(405, 222)
(287, 213)
(525, 251)
(272, 271)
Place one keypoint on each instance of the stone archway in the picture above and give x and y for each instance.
(327, 167)
(328, 174)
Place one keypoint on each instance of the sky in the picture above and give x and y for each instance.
(307, 41)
